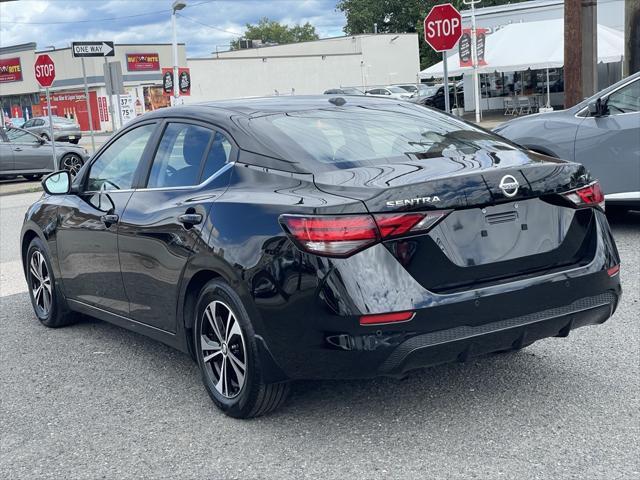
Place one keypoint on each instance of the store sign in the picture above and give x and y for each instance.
(143, 62)
(103, 110)
(464, 47)
(127, 107)
(10, 70)
(184, 81)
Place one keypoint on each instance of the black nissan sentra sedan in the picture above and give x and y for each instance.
(310, 238)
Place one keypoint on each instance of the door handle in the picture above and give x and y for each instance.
(17, 149)
(190, 219)
(109, 219)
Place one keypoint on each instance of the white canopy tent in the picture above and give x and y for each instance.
(531, 45)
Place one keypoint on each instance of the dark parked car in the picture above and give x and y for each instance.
(312, 237)
(64, 130)
(602, 133)
(435, 97)
(23, 153)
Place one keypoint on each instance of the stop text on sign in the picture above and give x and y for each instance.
(44, 70)
(437, 28)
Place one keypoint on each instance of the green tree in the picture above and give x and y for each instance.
(270, 31)
(398, 16)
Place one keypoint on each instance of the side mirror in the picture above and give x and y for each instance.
(598, 108)
(57, 183)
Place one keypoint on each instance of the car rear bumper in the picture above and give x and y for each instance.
(66, 136)
(315, 332)
(462, 343)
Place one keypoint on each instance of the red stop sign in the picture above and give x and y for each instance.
(443, 27)
(45, 70)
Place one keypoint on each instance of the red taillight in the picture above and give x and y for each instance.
(613, 271)
(381, 318)
(329, 235)
(341, 236)
(589, 196)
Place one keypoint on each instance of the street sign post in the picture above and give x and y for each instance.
(442, 30)
(45, 73)
(91, 49)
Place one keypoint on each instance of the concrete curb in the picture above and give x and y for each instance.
(22, 189)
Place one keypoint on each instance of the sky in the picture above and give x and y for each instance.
(203, 25)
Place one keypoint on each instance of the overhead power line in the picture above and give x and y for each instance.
(156, 12)
(210, 26)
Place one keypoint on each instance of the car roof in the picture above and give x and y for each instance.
(233, 116)
(260, 106)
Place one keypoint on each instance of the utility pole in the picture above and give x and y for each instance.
(580, 50)
(632, 37)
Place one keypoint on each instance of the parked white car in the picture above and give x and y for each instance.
(390, 92)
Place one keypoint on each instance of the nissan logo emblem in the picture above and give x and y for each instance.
(509, 186)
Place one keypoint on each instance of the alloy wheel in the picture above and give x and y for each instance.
(72, 163)
(223, 349)
(40, 283)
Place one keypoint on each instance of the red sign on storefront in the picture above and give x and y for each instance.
(10, 70)
(73, 106)
(143, 62)
(184, 81)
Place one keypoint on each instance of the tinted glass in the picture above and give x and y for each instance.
(625, 100)
(115, 167)
(217, 157)
(20, 136)
(396, 90)
(179, 156)
(372, 135)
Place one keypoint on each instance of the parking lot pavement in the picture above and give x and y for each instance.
(95, 401)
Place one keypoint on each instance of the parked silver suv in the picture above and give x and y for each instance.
(64, 130)
(602, 132)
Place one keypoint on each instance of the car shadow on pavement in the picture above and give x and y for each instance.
(508, 380)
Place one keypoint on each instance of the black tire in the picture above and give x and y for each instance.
(57, 314)
(32, 177)
(44, 136)
(72, 163)
(246, 398)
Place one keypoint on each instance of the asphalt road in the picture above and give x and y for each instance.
(95, 401)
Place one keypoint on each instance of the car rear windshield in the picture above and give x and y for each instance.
(355, 136)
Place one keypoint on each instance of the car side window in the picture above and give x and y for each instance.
(217, 157)
(179, 157)
(27, 124)
(20, 136)
(114, 169)
(625, 100)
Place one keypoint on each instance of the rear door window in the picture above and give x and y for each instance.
(180, 155)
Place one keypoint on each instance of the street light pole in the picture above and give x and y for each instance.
(474, 57)
(177, 5)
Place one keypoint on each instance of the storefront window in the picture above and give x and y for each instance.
(529, 82)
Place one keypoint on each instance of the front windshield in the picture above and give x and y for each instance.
(349, 137)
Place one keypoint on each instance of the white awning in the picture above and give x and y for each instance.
(534, 45)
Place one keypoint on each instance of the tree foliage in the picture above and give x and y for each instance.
(270, 31)
(398, 16)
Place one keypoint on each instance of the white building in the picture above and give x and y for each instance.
(142, 64)
(306, 68)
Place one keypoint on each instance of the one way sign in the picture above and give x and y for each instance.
(92, 49)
